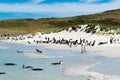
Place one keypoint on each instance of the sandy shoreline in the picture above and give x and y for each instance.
(108, 50)
(104, 50)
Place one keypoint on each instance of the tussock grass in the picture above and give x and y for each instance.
(107, 20)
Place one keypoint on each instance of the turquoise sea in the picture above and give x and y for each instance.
(8, 54)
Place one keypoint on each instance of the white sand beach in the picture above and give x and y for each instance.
(108, 50)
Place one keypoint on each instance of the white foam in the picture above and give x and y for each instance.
(36, 55)
(4, 47)
(83, 71)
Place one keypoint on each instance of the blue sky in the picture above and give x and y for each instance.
(10, 9)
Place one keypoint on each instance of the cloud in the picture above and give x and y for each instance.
(96, 1)
(59, 9)
(36, 1)
(90, 1)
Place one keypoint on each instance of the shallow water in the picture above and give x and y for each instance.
(30, 57)
(50, 72)
(108, 66)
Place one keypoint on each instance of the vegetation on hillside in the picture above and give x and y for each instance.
(106, 20)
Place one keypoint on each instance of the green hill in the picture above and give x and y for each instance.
(107, 20)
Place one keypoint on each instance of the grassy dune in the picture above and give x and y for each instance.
(108, 19)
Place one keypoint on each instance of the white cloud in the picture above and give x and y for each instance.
(59, 8)
(36, 1)
(90, 1)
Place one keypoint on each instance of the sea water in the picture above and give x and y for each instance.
(70, 58)
(108, 65)
(8, 54)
